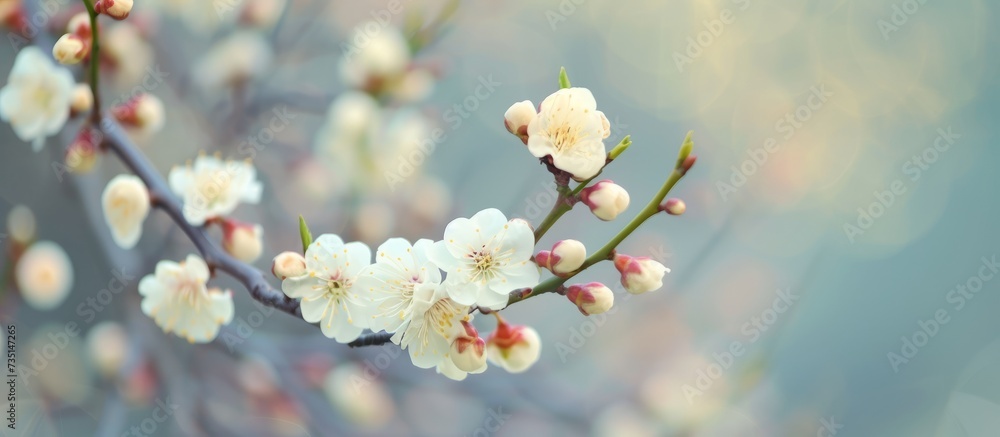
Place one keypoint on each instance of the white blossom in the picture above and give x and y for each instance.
(399, 268)
(213, 187)
(177, 298)
(435, 321)
(486, 258)
(242, 56)
(21, 224)
(37, 96)
(125, 202)
(328, 292)
(569, 128)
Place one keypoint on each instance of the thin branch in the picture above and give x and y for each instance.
(251, 278)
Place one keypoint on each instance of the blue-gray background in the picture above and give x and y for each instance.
(825, 361)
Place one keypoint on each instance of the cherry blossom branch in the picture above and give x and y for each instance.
(555, 284)
(113, 137)
(606, 252)
(567, 198)
(95, 114)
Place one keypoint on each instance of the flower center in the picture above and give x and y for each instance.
(214, 186)
(564, 136)
(189, 292)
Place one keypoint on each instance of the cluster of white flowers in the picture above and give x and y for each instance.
(402, 292)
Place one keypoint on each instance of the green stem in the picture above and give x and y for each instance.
(605, 252)
(95, 62)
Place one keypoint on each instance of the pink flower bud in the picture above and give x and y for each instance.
(513, 347)
(640, 274)
(70, 49)
(144, 111)
(591, 298)
(688, 163)
(606, 199)
(81, 155)
(242, 240)
(288, 265)
(468, 351)
(117, 9)
(565, 257)
(674, 206)
(517, 117)
(79, 25)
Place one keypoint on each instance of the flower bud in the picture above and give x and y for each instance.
(107, 345)
(81, 155)
(565, 257)
(117, 9)
(242, 240)
(606, 199)
(21, 224)
(126, 204)
(468, 351)
(82, 99)
(79, 25)
(70, 49)
(591, 298)
(513, 347)
(288, 265)
(517, 117)
(44, 275)
(674, 206)
(640, 274)
(144, 112)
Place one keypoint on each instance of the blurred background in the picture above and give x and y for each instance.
(831, 275)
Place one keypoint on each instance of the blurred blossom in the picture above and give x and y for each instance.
(241, 57)
(257, 376)
(378, 57)
(59, 363)
(622, 420)
(127, 51)
(36, 99)
(374, 221)
(178, 300)
(21, 224)
(429, 199)
(126, 204)
(44, 275)
(363, 401)
(107, 347)
(683, 395)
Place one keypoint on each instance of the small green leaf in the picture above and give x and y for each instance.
(307, 238)
(563, 78)
(621, 147)
(686, 149)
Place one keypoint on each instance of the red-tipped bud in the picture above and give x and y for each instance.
(71, 49)
(640, 274)
(591, 298)
(606, 199)
(144, 112)
(81, 155)
(242, 240)
(117, 9)
(468, 351)
(674, 206)
(688, 163)
(513, 347)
